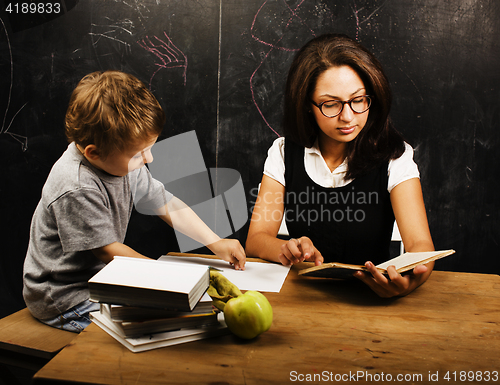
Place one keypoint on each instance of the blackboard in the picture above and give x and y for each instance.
(218, 67)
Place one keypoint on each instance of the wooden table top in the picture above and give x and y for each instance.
(323, 330)
(20, 332)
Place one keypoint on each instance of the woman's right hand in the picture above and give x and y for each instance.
(299, 250)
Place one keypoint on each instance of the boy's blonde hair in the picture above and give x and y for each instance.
(112, 110)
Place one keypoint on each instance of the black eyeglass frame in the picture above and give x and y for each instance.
(320, 106)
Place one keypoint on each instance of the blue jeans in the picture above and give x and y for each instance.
(75, 319)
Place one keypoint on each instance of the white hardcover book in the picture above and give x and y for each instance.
(149, 283)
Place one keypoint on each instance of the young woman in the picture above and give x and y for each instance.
(342, 173)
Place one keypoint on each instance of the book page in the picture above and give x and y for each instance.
(409, 259)
(265, 277)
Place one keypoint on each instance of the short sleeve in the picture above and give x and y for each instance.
(402, 168)
(84, 220)
(274, 167)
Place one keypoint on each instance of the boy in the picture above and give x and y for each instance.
(80, 222)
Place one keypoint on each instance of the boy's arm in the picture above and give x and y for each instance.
(108, 252)
(183, 219)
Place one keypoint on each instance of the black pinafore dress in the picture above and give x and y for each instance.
(348, 224)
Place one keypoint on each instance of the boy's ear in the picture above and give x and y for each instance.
(91, 152)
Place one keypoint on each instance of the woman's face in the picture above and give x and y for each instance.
(339, 83)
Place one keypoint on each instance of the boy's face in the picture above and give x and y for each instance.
(120, 163)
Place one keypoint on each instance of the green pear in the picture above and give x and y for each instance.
(249, 314)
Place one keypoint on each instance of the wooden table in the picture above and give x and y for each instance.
(27, 344)
(334, 330)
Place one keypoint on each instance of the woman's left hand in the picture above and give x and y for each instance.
(396, 284)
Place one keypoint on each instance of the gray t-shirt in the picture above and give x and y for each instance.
(81, 208)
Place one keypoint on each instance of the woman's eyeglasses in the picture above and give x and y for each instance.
(332, 108)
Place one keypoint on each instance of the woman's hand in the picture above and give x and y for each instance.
(408, 206)
(396, 284)
(298, 250)
(230, 250)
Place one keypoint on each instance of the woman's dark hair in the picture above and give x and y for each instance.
(378, 141)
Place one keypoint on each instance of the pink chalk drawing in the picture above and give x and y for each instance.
(273, 46)
(168, 54)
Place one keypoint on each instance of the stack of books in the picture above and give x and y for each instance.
(147, 304)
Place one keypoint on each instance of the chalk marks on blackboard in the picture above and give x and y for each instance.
(282, 26)
(356, 16)
(276, 45)
(110, 41)
(23, 140)
(11, 78)
(365, 20)
(115, 31)
(107, 35)
(166, 51)
(294, 14)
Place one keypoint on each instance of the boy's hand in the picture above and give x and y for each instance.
(298, 250)
(230, 250)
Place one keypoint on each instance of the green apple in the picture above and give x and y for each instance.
(249, 314)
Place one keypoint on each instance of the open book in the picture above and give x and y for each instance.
(404, 262)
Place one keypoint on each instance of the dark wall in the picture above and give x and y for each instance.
(218, 67)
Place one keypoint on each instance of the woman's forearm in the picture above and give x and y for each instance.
(264, 246)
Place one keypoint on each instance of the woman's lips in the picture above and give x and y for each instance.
(347, 130)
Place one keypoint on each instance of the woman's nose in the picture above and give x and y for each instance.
(347, 113)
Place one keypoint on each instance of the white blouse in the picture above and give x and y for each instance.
(399, 170)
